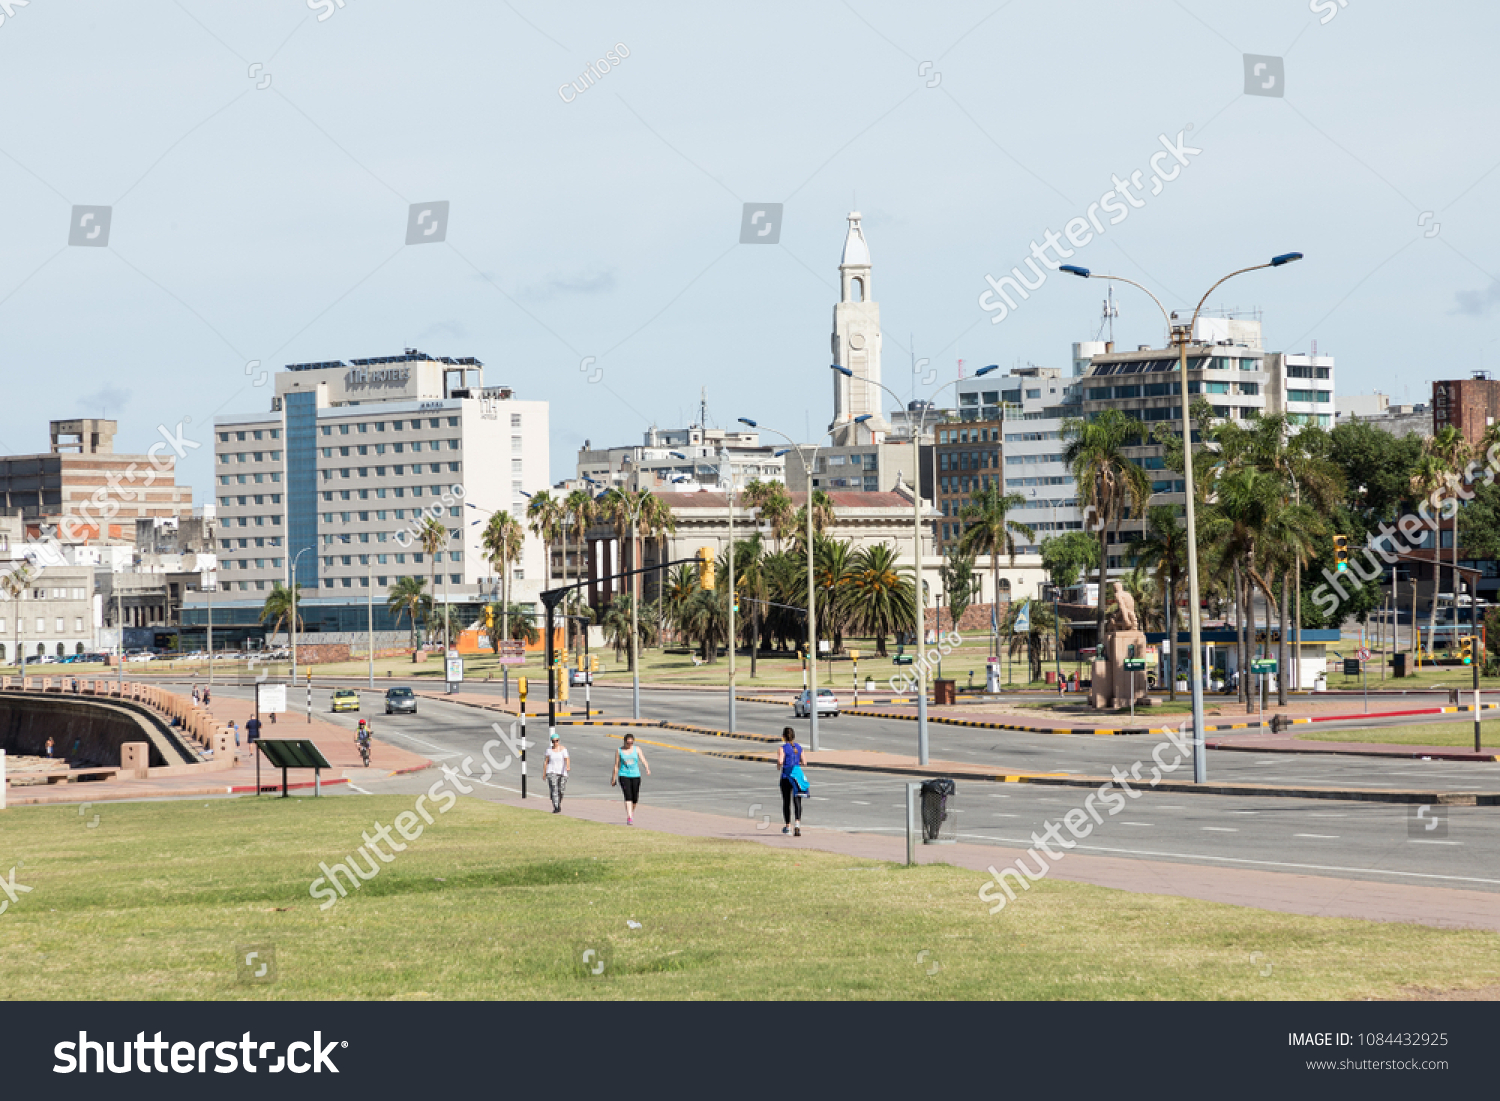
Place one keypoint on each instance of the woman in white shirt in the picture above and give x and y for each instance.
(556, 770)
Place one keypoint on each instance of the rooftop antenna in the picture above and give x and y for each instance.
(1111, 311)
(703, 408)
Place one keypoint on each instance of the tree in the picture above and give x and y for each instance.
(544, 514)
(878, 594)
(1068, 557)
(432, 537)
(408, 596)
(990, 530)
(1109, 483)
(520, 623)
(1162, 548)
(616, 625)
(832, 563)
(960, 586)
(774, 504)
(1375, 459)
(580, 510)
(750, 583)
(705, 619)
(823, 517)
(277, 608)
(1040, 636)
(503, 540)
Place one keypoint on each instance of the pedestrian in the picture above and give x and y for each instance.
(556, 770)
(205, 695)
(49, 747)
(196, 698)
(628, 764)
(789, 758)
(252, 730)
(235, 731)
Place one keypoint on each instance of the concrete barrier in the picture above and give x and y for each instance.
(135, 758)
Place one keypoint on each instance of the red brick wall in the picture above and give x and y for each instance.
(1467, 404)
(323, 653)
(976, 619)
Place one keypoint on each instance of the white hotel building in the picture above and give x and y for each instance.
(341, 472)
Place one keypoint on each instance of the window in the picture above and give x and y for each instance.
(344, 431)
(1319, 397)
(364, 427)
(1035, 394)
(452, 422)
(515, 420)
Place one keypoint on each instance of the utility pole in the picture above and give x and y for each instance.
(370, 610)
(732, 597)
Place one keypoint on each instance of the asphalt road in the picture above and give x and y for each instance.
(1382, 842)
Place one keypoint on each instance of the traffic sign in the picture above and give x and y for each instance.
(1364, 653)
(1263, 665)
(1134, 665)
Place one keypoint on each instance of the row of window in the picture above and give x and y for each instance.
(1308, 372)
(1170, 389)
(273, 541)
(380, 580)
(249, 457)
(380, 492)
(968, 460)
(1317, 397)
(258, 433)
(397, 471)
(396, 448)
(54, 594)
(1052, 480)
(969, 435)
(1031, 437)
(381, 514)
(968, 483)
(380, 559)
(258, 498)
(1030, 460)
(273, 477)
(397, 426)
(244, 521)
(41, 625)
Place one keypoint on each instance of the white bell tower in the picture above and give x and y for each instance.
(856, 345)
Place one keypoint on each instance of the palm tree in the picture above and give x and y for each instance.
(774, 504)
(878, 594)
(15, 583)
(682, 583)
(823, 516)
(991, 531)
(1162, 548)
(616, 624)
(277, 608)
(657, 521)
(432, 536)
(544, 514)
(705, 619)
(1444, 457)
(521, 623)
(832, 562)
(503, 540)
(580, 508)
(1109, 483)
(408, 596)
(750, 580)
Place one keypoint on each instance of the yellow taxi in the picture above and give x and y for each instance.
(345, 699)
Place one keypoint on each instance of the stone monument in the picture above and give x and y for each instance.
(1123, 639)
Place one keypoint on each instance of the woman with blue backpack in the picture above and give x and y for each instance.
(789, 758)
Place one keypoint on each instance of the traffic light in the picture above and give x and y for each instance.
(706, 569)
(593, 663)
(489, 620)
(1466, 649)
(1340, 554)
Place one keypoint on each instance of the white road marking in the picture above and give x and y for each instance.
(1137, 823)
(1328, 816)
(1222, 829)
(1318, 836)
(1000, 814)
(859, 802)
(362, 791)
(1431, 841)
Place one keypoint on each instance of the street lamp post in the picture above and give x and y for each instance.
(812, 606)
(918, 603)
(293, 586)
(732, 596)
(1181, 334)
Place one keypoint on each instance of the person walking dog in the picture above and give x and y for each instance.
(789, 758)
(556, 770)
(628, 764)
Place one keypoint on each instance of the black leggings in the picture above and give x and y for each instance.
(788, 798)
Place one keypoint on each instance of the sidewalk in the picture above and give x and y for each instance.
(334, 742)
(1282, 892)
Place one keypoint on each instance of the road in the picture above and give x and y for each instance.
(1381, 842)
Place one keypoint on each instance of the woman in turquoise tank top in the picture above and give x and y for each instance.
(628, 764)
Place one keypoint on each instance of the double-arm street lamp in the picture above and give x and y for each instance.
(1181, 334)
(812, 608)
(919, 625)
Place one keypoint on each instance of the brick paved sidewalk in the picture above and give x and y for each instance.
(1282, 892)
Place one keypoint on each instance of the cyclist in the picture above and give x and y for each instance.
(362, 738)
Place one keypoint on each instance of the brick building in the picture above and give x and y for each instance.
(967, 457)
(1471, 405)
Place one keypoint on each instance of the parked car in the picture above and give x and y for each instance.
(828, 704)
(345, 699)
(580, 677)
(134, 657)
(401, 700)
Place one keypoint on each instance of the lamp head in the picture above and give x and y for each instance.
(747, 420)
(987, 370)
(1285, 258)
(841, 370)
(863, 416)
(1074, 269)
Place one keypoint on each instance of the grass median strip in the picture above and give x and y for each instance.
(1458, 733)
(160, 900)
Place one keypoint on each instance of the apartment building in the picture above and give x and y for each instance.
(53, 613)
(682, 459)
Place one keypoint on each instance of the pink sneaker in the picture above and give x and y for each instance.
(630, 821)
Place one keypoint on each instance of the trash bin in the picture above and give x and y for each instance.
(869, 684)
(944, 692)
(939, 821)
(1398, 665)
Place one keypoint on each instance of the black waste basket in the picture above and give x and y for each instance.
(939, 817)
(1398, 665)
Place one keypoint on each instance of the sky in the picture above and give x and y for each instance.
(260, 161)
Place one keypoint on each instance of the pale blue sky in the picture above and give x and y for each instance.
(268, 223)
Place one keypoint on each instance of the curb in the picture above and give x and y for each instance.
(1397, 752)
(289, 787)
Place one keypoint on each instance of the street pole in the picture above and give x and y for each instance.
(635, 649)
(732, 597)
(1181, 334)
(812, 616)
(210, 639)
(370, 611)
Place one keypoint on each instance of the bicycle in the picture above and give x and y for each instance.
(364, 749)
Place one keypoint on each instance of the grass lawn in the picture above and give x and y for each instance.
(161, 900)
(1459, 733)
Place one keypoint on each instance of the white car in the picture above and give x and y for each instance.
(828, 703)
(139, 657)
(577, 678)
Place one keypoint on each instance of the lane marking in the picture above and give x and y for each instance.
(1137, 823)
(1222, 829)
(1319, 836)
(355, 787)
(1429, 841)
